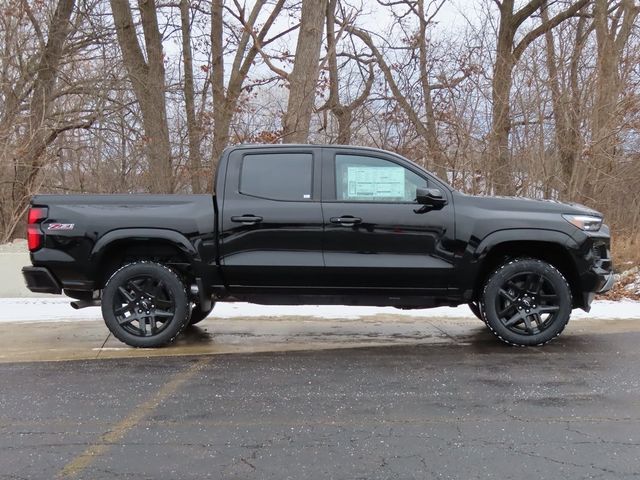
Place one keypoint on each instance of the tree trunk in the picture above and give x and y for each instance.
(221, 115)
(435, 152)
(507, 55)
(193, 129)
(344, 117)
(225, 103)
(611, 41)
(499, 155)
(304, 76)
(565, 100)
(342, 113)
(148, 80)
(27, 160)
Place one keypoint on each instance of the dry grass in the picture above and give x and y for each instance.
(627, 286)
(625, 249)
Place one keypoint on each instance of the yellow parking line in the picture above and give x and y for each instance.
(80, 463)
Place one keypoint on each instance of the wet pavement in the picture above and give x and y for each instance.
(378, 397)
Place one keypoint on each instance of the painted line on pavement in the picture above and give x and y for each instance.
(110, 438)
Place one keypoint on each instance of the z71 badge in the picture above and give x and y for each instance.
(60, 226)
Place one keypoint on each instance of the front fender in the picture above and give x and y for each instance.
(472, 262)
(521, 235)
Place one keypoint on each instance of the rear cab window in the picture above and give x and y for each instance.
(277, 176)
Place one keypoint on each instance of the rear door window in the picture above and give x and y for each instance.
(278, 176)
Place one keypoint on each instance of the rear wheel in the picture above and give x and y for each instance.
(145, 304)
(526, 302)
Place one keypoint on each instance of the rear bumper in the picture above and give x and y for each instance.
(41, 280)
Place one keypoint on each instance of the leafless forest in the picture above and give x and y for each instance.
(538, 98)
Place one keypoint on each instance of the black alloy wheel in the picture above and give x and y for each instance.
(144, 304)
(527, 302)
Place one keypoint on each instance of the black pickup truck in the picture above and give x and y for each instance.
(304, 224)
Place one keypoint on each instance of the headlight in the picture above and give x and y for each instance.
(589, 223)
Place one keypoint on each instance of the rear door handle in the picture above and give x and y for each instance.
(247, 219)
(346, 220)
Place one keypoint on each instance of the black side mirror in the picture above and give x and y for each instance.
(430, 198)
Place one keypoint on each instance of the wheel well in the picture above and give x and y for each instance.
(121, 252)
(549, 252)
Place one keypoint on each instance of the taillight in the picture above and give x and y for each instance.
(34, 233)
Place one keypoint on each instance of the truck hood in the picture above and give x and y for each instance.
(522, 204)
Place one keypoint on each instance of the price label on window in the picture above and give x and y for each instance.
(375, 182)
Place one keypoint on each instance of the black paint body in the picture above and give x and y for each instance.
(298, 253)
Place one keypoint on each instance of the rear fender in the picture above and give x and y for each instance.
(142, 234)
(207, 277)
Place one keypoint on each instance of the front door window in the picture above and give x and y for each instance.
(371, 179)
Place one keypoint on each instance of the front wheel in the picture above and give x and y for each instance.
(145, 304)
(475, 309)
(526, 302)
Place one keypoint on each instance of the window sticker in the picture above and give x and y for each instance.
(375, 182)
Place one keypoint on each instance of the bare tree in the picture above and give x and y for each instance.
(225, 101)
(566, 100)
(147, 78)
(304, 76)
(612, 34)
(421, 115)
(32, 88)
(343, 112)
(508, 52)
(193, 128)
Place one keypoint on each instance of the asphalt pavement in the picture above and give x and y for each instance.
(361, 399)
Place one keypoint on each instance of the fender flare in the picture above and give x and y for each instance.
(473, 259)
(141, 234)
(522, 235)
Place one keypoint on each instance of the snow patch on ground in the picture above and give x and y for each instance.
(58, 309)
(17, 246)
(626, 286)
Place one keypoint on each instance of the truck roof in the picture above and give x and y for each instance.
(280, 146)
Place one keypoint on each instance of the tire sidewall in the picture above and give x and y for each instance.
(198, 315)
(171, 281)
(497, 280)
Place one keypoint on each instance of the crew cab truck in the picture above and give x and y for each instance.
(305, 224)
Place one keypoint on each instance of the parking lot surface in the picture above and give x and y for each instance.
(292, 399)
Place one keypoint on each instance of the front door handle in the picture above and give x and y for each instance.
(247, 219)
(346, 220)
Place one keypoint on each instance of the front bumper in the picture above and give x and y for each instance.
(592, 257)
(41, 280)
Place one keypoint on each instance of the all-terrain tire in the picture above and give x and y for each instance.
(151, 294)
(510, 298)
(475, 309)
(198, 315)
